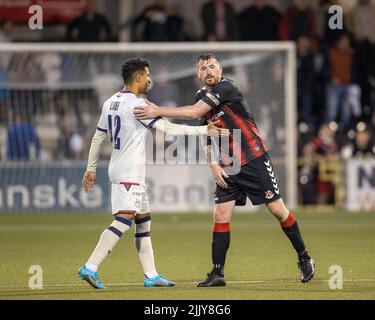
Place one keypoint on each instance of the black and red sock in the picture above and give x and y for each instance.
(291, 229)
(220, 245)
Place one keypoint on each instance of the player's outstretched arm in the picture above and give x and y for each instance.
(89, 177)
(191, 112)
(173, 129)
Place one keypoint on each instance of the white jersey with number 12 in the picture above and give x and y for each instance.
(128, 137)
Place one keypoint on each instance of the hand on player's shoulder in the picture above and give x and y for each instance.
(146, 112)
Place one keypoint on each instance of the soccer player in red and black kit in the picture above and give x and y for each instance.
(221, 100)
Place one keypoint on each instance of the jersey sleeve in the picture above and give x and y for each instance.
(102, 123)
(149, 123)
(199, 95)
(223, 92)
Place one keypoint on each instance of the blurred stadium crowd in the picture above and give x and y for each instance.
(335, 77)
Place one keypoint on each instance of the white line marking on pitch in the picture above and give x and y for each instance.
(179, 282)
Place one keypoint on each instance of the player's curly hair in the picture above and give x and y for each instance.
(131, 66)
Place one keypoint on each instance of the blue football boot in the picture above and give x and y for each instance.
(91, 278)
(158, 281)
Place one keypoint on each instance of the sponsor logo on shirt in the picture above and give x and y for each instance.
(221, 113)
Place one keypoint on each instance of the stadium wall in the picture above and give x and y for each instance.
(56, 187)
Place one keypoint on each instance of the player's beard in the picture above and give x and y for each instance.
(145, 89)
(212, 83)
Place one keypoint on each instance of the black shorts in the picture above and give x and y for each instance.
(256, 180)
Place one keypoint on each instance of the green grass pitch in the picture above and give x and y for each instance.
(261, 263)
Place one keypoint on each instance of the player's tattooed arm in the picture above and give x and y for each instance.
(190, 112)
(211, 155)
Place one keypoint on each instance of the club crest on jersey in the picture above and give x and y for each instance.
(214, 117)
(269, 194)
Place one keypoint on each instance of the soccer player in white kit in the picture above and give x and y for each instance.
(126, 171)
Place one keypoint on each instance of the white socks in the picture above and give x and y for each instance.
(143, 244)
(107, 242)
(111, 236)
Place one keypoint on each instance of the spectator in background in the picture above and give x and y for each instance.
(6, 31)
(363, 29)
(219, 21)
(321, 148)
(175, 23)
(259, 22)
(363, 145)
(363, 21)
(153, 22)
(76, 145)
(307, 188)
(21, 137)
(90, 26)
(340, 73)
(305, 79)
(63, 148)
(158, 23)
(299, 20)
(70, 144)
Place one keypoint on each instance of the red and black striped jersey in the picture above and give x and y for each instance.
(229, 110)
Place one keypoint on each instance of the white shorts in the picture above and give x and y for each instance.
(129, 198)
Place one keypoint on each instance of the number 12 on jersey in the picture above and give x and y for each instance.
(114, 126)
